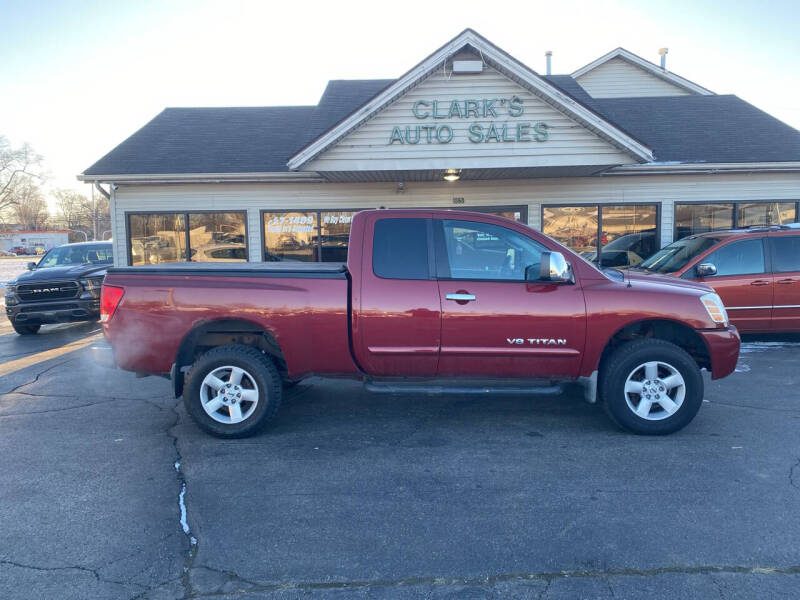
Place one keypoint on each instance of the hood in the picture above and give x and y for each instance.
(656, 278)
(66, 273)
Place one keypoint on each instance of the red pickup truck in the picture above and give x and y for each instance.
(429, 301)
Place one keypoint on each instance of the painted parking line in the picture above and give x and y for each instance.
(39, 357)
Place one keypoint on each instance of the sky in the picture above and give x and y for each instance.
(78, 77)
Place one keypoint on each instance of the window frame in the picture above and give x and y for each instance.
(735, 219)
(598, 206)
(429, 227)
(317, 211)
(185, 213)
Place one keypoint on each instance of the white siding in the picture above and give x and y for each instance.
(369, 148)
(618, 78)
(664, 189)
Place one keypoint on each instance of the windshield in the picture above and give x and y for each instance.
(64, 256)
(675, 256)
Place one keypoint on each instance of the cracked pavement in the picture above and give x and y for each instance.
(369, 496)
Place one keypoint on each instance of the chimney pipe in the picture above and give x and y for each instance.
(663, 53)
(549, 55)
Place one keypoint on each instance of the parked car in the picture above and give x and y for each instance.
(63, 286)
(428, 301)
(755, 271)
(22, 251)
(627, 250)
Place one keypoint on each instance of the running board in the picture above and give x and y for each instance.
(440, 390)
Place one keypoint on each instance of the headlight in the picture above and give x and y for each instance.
(92, 283)
(715, 308)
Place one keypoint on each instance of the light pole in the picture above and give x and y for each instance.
(94, 216)
(104, 233)
(86, 237)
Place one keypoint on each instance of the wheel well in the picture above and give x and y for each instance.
(218, 333)
(669, 331)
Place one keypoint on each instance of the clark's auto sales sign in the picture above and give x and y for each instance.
(485, 121)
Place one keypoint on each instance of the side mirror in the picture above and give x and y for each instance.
(706, 269)
(554, 268)
(31, 266)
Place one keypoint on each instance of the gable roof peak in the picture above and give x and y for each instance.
(647, 66)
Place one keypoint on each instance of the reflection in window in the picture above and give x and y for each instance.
(699, 218)
(765, 213)
(484, 251)
(573, 226)
(290, 236)
(335, 235)
(629, 234)
(216, 237)
(739, 258)
(157, 238)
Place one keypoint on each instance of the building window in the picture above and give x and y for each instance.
(692, 218)
(156, 238)
(619, 234)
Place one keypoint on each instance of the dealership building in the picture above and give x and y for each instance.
(620, 157)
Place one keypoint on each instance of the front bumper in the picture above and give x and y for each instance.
(59, 311)
(723, 348)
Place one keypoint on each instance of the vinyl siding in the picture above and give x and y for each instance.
(665, 189)
(368, 147)
(618, 78)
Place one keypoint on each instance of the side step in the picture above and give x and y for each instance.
(461, 389)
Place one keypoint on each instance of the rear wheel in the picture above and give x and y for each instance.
(24, 329)
(651, 387)
(233, 391)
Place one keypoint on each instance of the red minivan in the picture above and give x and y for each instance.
(755, 271)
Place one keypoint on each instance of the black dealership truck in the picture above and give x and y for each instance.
(63, 286)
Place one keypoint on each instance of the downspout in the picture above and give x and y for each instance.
(101, 190)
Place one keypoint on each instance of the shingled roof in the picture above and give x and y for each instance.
(684, 129)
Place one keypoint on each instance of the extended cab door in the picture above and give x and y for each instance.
(744, 282)
(396, 311)
(494, 323)
(786, 270)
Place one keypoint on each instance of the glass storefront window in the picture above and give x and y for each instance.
(629, 235)
(157, 238)
(290, 236)
(699, 218)
(217, 237)
(335, 235)
(573, 226)
(765, 213)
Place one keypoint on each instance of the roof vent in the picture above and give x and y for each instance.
(663, 53)
(548, 54)
(465, 67)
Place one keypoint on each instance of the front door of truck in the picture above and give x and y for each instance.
(494, 323)
(786, 270)
(397, 316)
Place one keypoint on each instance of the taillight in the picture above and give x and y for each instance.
(109, 300)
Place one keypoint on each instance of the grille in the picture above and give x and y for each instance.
(52, 290)
(46, 307)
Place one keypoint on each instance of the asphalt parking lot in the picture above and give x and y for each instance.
(356, 495)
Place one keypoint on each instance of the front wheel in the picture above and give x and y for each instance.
(26, 329)
(233, 391)
(651, 387)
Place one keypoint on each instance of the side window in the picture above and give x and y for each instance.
(739, 258)
(485, 251)
(786, 253)
(400, 249)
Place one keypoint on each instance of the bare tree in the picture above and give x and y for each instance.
(30, 207)
(17, 167)
(78, 212)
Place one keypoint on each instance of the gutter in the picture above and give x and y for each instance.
(703, 168)
(203, 178)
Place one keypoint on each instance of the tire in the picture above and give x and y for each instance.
(662, 405)
(26, 329)
(213, 407)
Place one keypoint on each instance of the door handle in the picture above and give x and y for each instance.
(759, 282)
(461, 297)
(784, 281)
